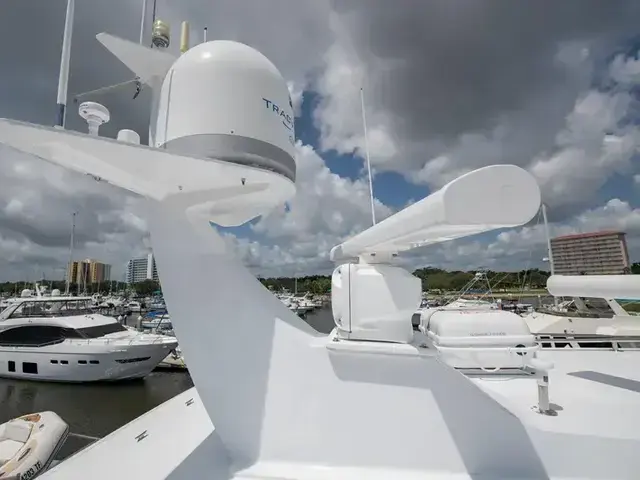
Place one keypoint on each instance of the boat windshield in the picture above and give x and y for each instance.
(100, 330)
(49, 308)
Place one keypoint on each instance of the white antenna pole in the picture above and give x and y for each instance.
(204, 35)
(366, 148)
(142, 20)
(549, 251)
(73, 231)
(65, 59)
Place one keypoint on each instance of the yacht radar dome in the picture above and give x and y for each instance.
(55, 292)
(94, 114)
(224, 100)
(160, 34)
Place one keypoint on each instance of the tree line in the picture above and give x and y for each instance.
(145, 288)
(432, 279)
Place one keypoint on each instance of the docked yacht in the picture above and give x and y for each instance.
(159, 322)
(134, 306)
(62, 339)
(579, 323)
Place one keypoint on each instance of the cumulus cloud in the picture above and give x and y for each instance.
(293, 35)
(326, 209)
(527, 245)
(586, 152)
(448, 87)
(452, 87)
(37, 200)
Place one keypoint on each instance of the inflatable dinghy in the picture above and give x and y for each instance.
(29, 443)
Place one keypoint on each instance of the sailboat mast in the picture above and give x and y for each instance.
(366, 148)
(552, 269)
(546, 232)
(69, 270)
(65, 59)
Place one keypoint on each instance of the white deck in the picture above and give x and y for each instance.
(602, 415)
(587, 406)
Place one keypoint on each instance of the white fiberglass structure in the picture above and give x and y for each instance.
(62, 339)
(371, 400)
(586, 327)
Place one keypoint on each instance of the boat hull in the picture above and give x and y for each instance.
(77, 363)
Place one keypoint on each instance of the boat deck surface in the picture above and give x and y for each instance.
(588, 390)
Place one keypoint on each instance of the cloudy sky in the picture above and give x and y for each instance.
(449, 86)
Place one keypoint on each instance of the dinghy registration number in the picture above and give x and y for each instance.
(31, 472)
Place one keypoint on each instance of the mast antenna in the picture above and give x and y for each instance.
(366, 148)
(552, 268)
(69, 265)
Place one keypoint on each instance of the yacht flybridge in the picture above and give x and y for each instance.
(469, 396)
(63, 339)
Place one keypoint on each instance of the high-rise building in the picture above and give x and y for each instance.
(86, 272)
(140, 269)
(596, 253)
(72, 272)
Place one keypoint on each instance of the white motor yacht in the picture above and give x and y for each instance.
(160, 322)
(306, 302)
(62, 339)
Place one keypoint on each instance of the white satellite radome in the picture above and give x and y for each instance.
(95, 114)
(55, 292)
(225, 100)
(128, 136)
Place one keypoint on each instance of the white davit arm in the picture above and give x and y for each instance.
(595, 286)
(498, 196)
